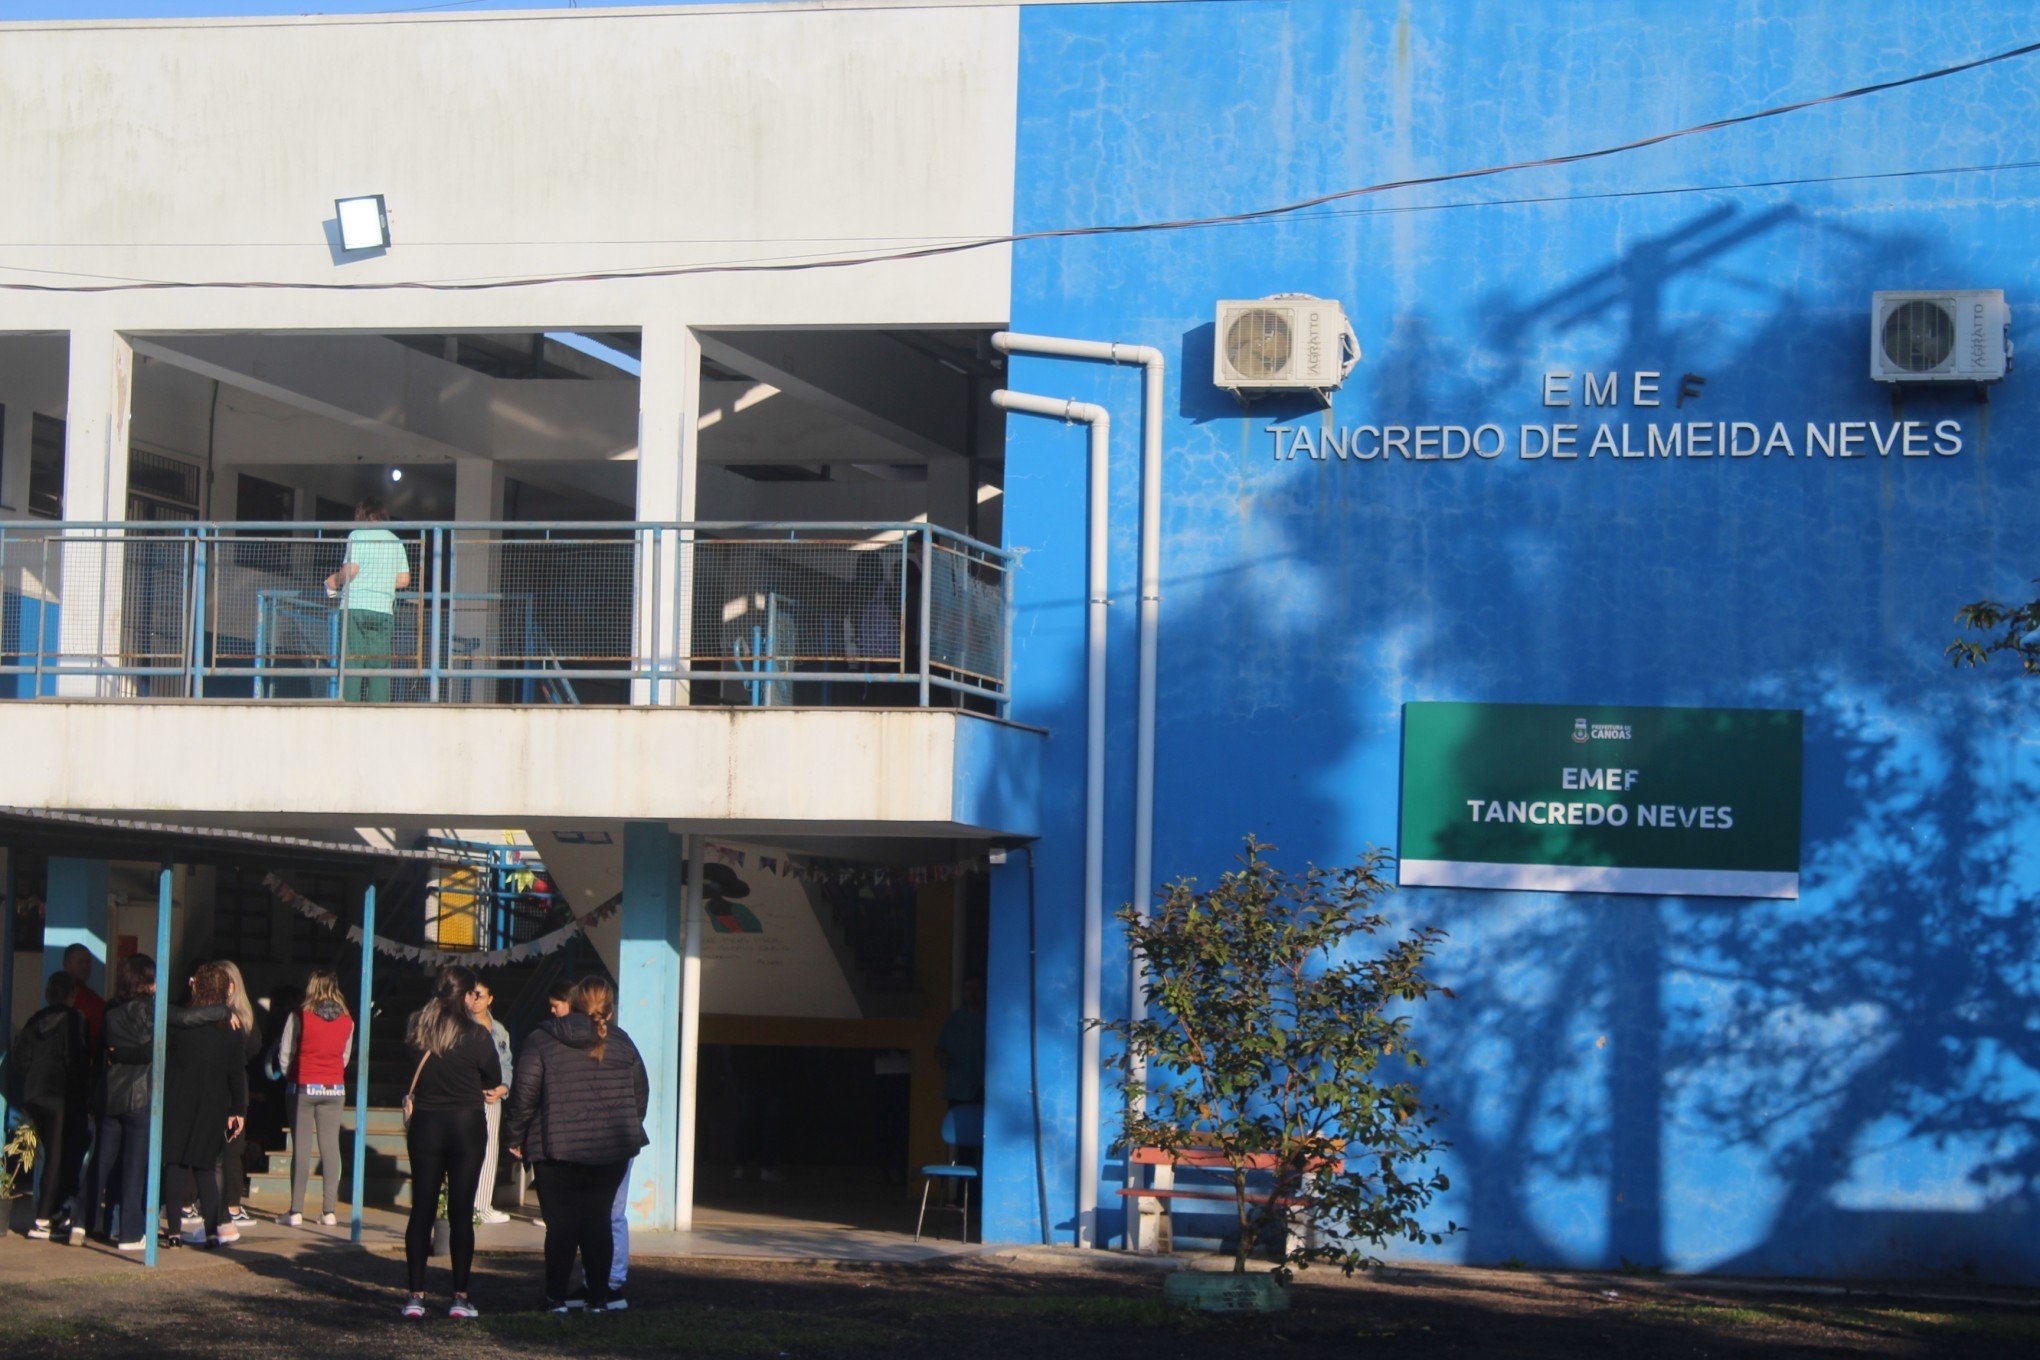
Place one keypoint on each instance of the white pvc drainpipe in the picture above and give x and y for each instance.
(1094, 780)
(1153, 380)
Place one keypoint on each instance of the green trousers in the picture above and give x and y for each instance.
(367, 649)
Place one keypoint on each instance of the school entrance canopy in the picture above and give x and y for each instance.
(68, 835)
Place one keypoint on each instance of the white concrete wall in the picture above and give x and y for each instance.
(232, 764)
(510, 145)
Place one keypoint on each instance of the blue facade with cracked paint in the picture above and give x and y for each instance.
(1842, 1084)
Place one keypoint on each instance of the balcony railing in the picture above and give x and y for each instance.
(888, 615)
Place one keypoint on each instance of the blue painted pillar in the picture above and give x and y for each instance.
(648, 1007)
(365, 1010)
(159, 1057)
(78, 915)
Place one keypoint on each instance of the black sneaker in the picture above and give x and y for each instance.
(577, 1300)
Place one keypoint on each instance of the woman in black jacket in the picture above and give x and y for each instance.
(51, 1065)
(120, 1130)
(205, 1103)
(445, 1130)
(577, 1115)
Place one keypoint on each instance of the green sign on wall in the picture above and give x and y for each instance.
(1681, 801)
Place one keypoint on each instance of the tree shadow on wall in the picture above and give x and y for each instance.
(1853, 1074)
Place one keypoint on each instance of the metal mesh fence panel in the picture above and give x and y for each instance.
(967, 613)
(114, 605)
(502, 614)
(800, 604)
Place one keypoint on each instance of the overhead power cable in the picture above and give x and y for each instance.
(1056, 233)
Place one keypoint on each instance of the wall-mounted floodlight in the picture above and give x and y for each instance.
(364, 222)
(396, 474)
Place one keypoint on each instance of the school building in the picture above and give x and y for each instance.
(886, 482)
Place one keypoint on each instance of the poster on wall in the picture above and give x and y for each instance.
(1677, 801)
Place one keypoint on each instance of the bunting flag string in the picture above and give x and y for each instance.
(411, 953)
(807, 869)
(803, 869)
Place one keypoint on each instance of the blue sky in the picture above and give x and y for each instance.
(193, 9)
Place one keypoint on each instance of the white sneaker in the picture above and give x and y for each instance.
(194, 1237)
(229, 1234)
(291, 1220)
(329, 1219)
(492, 1215)
(134, 1246)
(462, 1308)
(77, 1234)
(40, 1230)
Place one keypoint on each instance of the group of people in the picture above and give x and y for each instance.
(83, 1073)
(572, 1108)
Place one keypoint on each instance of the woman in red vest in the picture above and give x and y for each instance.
(316, 1044)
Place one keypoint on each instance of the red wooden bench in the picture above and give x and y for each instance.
(1148, 1223)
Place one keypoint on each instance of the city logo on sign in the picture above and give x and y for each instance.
(1582, 731)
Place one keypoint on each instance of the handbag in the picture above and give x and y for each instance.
(411, 1096)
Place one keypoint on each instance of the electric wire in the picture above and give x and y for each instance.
(1291, 209)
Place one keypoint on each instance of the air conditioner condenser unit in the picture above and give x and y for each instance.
(1957, 335)
(1290, 342)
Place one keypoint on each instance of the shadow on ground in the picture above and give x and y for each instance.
(336, 1302)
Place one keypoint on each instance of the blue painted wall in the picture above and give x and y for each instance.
(1842, 1084)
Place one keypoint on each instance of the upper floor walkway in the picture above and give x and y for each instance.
(843, 679)
(703, 614)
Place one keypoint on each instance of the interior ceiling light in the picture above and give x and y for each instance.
(364, 222)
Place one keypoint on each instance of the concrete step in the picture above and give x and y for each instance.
(382, 1119)
(384, 1149)
(270, 1191)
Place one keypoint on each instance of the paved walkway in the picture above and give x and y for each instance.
(717, 1233)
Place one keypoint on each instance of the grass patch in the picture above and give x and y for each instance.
(1709, 1314)
(1114, 1312)
(738, 1332)
(27, 1329)
(1908, 1322)
(701, 1330)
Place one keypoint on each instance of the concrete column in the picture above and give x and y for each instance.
(669, 410)
(951, 486)
(17, 436)
(21, 559)
(472, 569)
(95, 488)
(648, 1007)
(77, 914)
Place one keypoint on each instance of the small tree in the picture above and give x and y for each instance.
(1270, 1037)
(2016, 628)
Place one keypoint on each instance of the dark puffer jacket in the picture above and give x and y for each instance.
(567, 1107)
(130, 1049)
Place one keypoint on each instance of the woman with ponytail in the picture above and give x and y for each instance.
(577, 1116)
(445, 1130)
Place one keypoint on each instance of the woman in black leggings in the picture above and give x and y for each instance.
(457, 1071)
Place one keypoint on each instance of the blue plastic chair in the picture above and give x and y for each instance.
(962, 1127)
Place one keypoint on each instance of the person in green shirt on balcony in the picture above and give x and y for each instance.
(376, 568)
